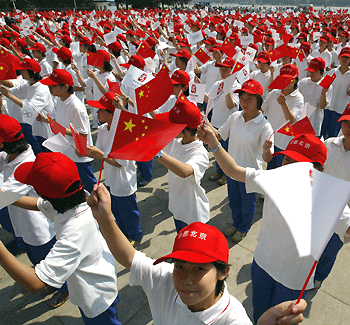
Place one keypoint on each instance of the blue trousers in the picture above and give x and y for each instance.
(224, 144)
(179, 225)
(86, 175)
(330, 125)
(275, 161)
(38, 253)
(328, 257)
(242, 205)
(146, 170)
(110, 316)
(40, 141)
(127, 215)
(30, 138)
(267, 292)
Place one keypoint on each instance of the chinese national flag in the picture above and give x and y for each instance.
(114, 87)
(134, 137)
(6, 68)
(202, 56)
(302, 127)
(283, 50)
(285, 129)
(79, 140)
(93, 59)
(145, 51)
(281, 82)
(56, 127)
(280, 30)
(327, 81)
(301, 55)
(228, 49)
(154, 93)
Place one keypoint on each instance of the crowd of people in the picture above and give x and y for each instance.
(62, 67)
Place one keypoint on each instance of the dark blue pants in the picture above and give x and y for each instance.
(127, 215)
(40, 141)
(275, 161)
(242, 205)
(330, 125)
(146, 170)
(38, 253)
(224, 144)
(328, 257)
(30, 138)
(267, 292)
(110, 316)
(86, 175)
(179, 225)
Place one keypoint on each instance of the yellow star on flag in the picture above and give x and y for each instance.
(1, 68)
(182, 98)
(141, 93)
(2, 52)
(129, 125)
(287, 129)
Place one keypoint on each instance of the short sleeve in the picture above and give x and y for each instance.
(343, 225)
(89, 82)
(250, 183)
(199, 162)
(224, 130)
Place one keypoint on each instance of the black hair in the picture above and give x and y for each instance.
(187, 91)
(69, 61)
(25, 51)
(296, 83)
(65, 44)
(221, 267)
(107, 66)
(17, 146)
(116, 54)
(321, 71)
(69, 90)
(62, 205)
(318, 166)
(259, 99)
(184, 60)
(192, 131)
(90, 48)
(35, 75)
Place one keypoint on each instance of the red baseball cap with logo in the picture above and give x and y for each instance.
(198, 243)
(51, 174)
(66, 39)
(115, 46)
(345, 51)
(182, 54)
(10, 129)
(105, 102)
(63, 53)
(38, 47)
(251, 86)
(316, 64)
(85, 40)
(58, 77)
(305, 148)
(228, 62)
(263, 57)
(28, 64)
(104, 55)
(305, 46)
(269, 41)
(290, 70)
(346, 114)
(135, 60)
(151, 41)
(180, 77)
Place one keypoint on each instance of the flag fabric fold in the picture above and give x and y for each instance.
(79, 140)
(55, 126)
(327, 81)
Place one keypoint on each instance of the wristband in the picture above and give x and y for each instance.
(216, 148)
(159, 154)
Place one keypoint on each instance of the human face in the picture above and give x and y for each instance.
(55, 90)
(36, 54)
(263, 67)
(315, 76)
(249, 104)
(104, 116)
(287, 160)
(196, 283)
(345, 127)
(25, 74)
(344, 61)
(225, 72)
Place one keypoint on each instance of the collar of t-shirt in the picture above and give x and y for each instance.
(255, 119)
(292, 94)
(209, 315)
(20, 158)
(68, 100)
(72, 213)
(191, 145)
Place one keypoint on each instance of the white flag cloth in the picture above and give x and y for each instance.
(194, 38)
(308, 109)
(7, 198)
(110, 37)
(57, 143)
(244, 74)
(298, 191)
(29, 113)
(246, 40)
(155, 25)
(26, 23)
(135, 78)
(197, 92)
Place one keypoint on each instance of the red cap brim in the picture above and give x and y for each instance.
(344, 118)
(186, 256)
(95, 103)
(48, 82)
(294, 155)
(125, 65)
(22, 172)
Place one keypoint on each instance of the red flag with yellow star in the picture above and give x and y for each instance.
(6, 68)
(327, 81)
(56, 127)
(285, 129)
(145, 50)
(281, 82)
(283, 50)
(93, 59)
(154, 93)
(202, 56)
(135, 137)
(228, 49)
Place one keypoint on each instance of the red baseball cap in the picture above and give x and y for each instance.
(105, 102)
(302, 35)
(210, 40)
(316, 64)
(66, 39)
(58, 77)
(28, 64)
(199, 243)
(182, 54)
(290, 70)
(251, 86)
(51, 174)
(305, 46)
(130, 32)
(305, 148)
(345, 51)
(135, 60)
(180, 77)
(64, 53)
(151, 41)
(345, 34)
(5, 42)
(9, 129)
(85, 40)
(38, 47)
(325, 38)
(104, 55)
(21, 42)
(221, 30)
(115, 46)
(263, 57)
(228, 62)
(346, 114)
(269, 41)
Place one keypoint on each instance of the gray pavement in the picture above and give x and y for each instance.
(330, 305)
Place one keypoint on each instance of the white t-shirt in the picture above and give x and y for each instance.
(46, 68)
(187, 199)
(121, 180)
(81, 257)
(76, 83)
(263, 79)
(166, 305)
(325, 55)
(274, 113)
(103, 77)
(209, 74)
(72, 110)
(312, 93)
(341, 86)
(246, 138)
(32, 226)
(13, 109)
(276, 252)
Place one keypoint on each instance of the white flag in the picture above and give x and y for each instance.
(29, 114)
(197, 92)
(246, 40)
(110, 37)
(244, 74)
(57, 143)
(155, 25)
(135, 78)
(194, 38)
(26, 23)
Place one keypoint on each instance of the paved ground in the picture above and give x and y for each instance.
(331, 304)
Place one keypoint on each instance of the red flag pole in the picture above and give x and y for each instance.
(99, 177)
(306, 282)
